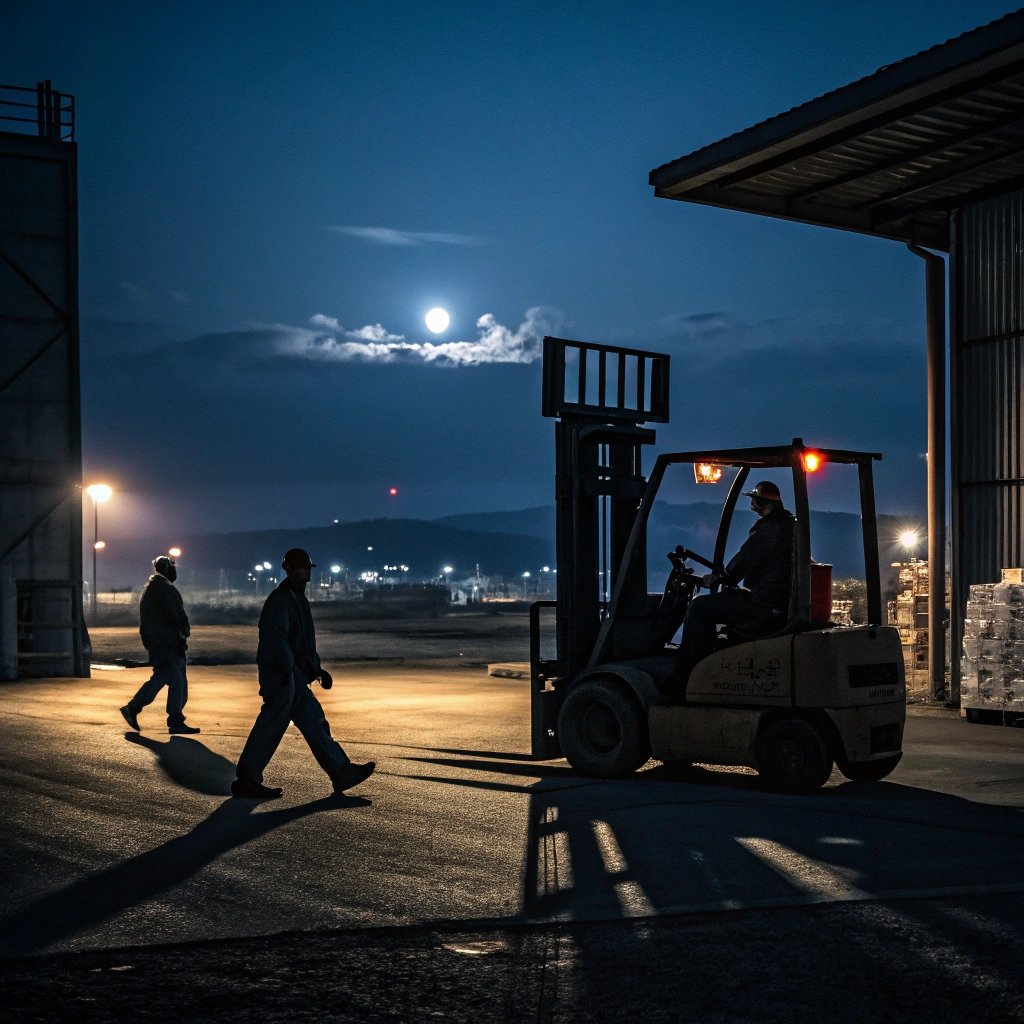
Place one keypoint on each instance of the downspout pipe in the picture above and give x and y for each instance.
(935, 319)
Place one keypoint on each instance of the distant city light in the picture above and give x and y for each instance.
(100, 545)
(393, 491)
(335, 568)
(174, 552)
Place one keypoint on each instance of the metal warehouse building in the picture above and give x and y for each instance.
(928, 151)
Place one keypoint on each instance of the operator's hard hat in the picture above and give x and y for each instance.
(765, 491)
(296, 558)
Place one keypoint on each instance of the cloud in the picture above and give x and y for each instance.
(718, 336)
(395, 236)
(245, 354)
(136, 293)
(328, 341)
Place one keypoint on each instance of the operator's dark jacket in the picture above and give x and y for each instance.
(765, 561)
(287, 639)
(163, 623)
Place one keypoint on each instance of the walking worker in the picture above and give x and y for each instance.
(164, 628)
(287, 662)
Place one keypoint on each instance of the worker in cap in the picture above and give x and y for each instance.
(764, 491)
(287, 662)
(764, 564)
(164, 628)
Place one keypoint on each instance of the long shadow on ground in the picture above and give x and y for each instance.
(86, 903)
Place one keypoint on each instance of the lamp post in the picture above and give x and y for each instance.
(909, 540)
(99, 494)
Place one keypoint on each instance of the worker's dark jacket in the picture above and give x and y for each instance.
(287, 638)
(764, 564)
(163, 623)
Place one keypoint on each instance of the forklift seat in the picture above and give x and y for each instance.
(753, 629)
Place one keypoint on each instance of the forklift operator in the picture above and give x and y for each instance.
(764, 564)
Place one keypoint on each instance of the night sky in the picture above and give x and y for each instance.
(273, 195)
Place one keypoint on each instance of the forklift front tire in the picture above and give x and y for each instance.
(793, 754)
(602, 730)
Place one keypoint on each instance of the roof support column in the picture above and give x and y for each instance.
(935, 318)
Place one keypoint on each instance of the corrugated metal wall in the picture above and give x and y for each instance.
(42, 631)
(987, 396)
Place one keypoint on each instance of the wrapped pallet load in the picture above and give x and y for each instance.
(992, 668)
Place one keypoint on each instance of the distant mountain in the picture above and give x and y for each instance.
(835, 536)
(530, 522)
(425, 547)
(501, 543)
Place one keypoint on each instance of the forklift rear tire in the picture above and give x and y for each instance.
(603, 730)
(870, 771)
(793, 754)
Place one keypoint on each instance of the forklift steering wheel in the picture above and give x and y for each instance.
(678, 558)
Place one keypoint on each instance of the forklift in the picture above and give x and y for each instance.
(791, 704)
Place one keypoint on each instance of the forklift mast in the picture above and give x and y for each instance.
(600, 396)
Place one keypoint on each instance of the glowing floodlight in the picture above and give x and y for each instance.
(909, 539)
(99, 492)
(812, 461)
(706, 473)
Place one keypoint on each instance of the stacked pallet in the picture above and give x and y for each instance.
(992, 667)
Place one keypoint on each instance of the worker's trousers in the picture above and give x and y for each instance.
(288, 700)
(168, 670)
(700, 627)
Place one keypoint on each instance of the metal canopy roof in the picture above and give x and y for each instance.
(890, 155)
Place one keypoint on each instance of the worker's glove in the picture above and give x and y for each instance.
(326, 679)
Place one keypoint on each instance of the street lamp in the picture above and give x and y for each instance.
(909, 539)
(99, 494)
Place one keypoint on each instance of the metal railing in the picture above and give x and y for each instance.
(50, 112)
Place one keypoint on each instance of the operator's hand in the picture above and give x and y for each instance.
(326, 679)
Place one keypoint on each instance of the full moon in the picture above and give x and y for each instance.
(437, 320)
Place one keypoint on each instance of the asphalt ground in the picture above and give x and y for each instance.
(466, 882)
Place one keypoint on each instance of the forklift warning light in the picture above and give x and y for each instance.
(706, 473)
(812, 461)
